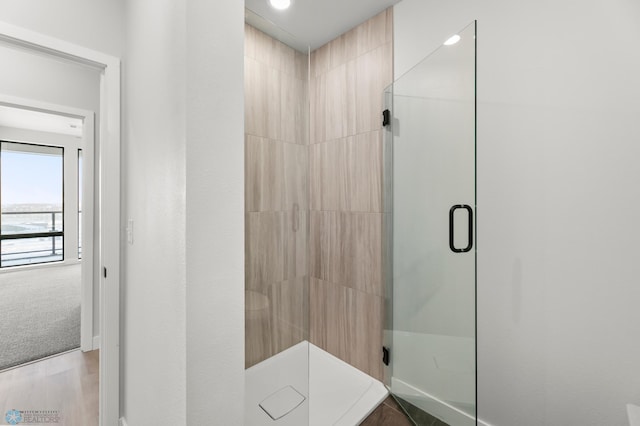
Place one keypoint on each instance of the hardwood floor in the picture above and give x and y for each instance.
(66, 385)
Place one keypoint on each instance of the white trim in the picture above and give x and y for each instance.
(96, 342)
(109, 175)
(88, 226)
(14, 134)
(42, 43)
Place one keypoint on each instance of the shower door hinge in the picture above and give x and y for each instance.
(386, 117)
(385, 355)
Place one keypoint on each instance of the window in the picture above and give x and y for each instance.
(32, 204)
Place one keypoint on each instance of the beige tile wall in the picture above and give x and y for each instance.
(276, 196)
(348, 76)
(313, 160)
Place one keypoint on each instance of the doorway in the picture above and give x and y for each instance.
(108, 175)
(46, 231)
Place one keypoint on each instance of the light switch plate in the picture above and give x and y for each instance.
(130, 231)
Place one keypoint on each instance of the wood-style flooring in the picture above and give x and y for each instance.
(66, 384)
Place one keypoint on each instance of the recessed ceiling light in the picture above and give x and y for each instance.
(280, 4)
(452, 40)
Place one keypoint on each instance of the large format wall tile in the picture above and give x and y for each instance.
(362, 190)
(343, 49)
(374, 72)
(348, 77)
(320, 60)
(264, 174)
(340, 101)
(324, 178)
(375, 32)
(262, 107)
(328, 327)
(302, 65)
(318, 320)
(347, 248)
(273, 53)
(346, 174)
(297, 243)
(364, 331)
(289, 312)
(367, 36)
(258, 331)
(351, 325)
(336, 153)
(276, 318)
(333, 103)
(276, 247)
(276, 196)
(293, 109)
(249, 41)
(276, 283)
(276, 175)
(317, 108)
(266, 249)
(296, 177)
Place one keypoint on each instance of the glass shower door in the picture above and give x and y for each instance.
(430, 236)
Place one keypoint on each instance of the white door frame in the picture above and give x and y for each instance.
(87, 145)
(109, 202)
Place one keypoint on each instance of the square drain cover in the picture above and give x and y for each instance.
(282, 402)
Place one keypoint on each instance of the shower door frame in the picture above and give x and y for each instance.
(387, 255)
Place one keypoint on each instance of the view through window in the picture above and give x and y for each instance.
(31, 198)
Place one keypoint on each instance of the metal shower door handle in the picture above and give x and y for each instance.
(452, 231)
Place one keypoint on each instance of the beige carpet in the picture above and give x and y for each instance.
(39, 313)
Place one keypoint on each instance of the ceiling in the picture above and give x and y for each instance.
(40, 121)
(312, 23)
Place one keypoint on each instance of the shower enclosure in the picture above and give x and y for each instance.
(429, 231)
(326, 173)
(308, 361)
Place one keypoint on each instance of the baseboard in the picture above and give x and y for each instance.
(122, 422)
(96, 342)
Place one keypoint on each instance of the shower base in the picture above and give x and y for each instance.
(334, 392)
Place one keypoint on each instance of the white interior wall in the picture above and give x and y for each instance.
(184, 301)
(96, 24)
(558, 101)
(41, 78)
(215, 212)
(153, 329)
(156, 149)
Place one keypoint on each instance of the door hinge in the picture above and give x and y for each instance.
(386, 117)
(385, 355)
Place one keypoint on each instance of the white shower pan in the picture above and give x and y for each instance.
(306, 385)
